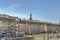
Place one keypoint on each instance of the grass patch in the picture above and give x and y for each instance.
(39, 35)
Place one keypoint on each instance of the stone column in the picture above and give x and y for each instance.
(29, 29)
(16, 29)
(45, 29)
(20, 28)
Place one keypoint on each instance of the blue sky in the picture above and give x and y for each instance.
(43, 10)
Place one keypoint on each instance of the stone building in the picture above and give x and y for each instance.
(10, 23)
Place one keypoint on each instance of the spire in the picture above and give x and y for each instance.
(30, 16)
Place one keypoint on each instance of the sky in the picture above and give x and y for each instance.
(43, 10)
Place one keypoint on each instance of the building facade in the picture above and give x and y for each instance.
(30, 26)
